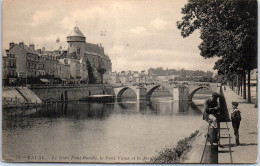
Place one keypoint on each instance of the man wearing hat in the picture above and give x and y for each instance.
(211, 109)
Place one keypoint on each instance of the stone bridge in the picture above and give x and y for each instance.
(179, 92)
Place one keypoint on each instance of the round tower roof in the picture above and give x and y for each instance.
(76, 32)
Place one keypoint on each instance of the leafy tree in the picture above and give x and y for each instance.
(92, 79)
(228, 30)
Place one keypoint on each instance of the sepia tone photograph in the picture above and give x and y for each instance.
(130, 81)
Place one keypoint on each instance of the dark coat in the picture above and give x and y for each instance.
(210, 107)
(236, 116)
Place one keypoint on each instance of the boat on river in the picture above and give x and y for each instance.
(100, 98)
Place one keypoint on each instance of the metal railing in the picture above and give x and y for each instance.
(204, 149)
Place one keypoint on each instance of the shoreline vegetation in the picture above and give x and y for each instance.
(177, 154)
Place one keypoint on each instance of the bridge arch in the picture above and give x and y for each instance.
(151, 90)
(122, 90)
(195, 90)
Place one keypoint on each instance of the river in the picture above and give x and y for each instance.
(126, 131)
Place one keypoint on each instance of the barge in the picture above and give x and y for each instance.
(100, 98)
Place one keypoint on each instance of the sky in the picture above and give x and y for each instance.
(136, 34)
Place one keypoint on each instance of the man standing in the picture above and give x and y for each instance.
(211, 109)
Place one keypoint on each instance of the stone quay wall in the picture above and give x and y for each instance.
(51, 93)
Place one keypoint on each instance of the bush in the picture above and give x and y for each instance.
(176, 154)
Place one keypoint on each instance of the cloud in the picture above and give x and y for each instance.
(139, 31)
(49, 41)
(83, 16)
(160, 24)
(49, 38)
(116, 50)
(124, 58)
(41, 17)
(136, 38)
(164, 55)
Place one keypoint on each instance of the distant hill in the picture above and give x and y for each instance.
(183, 75)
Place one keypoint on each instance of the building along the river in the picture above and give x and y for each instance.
(82, 62)
(26, 59)
(9, 73)
(93, 55)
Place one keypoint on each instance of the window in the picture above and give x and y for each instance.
(78, 50)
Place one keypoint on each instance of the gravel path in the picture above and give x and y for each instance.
(247, 151)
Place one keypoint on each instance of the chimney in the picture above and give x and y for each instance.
(39, 51)
(11, 45)
(21, 44)
(31, 46)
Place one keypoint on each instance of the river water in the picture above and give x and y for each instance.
(126, 131)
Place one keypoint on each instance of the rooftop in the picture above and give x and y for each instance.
(95, 49)
(26, 48)
(76, 32)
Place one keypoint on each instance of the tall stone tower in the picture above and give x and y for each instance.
(76, 41)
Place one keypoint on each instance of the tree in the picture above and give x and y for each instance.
(228, 30)
(92, 79)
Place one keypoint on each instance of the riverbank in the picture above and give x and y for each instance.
(178, 153)
(13, 97)
(70, 92)
(187, 150)
(35, 95)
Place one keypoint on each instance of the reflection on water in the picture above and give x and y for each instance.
(125, 128)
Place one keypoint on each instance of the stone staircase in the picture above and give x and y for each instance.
(19, 96)
(22, 95)
(29, 95)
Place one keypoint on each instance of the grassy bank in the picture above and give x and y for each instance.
(176, 154)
